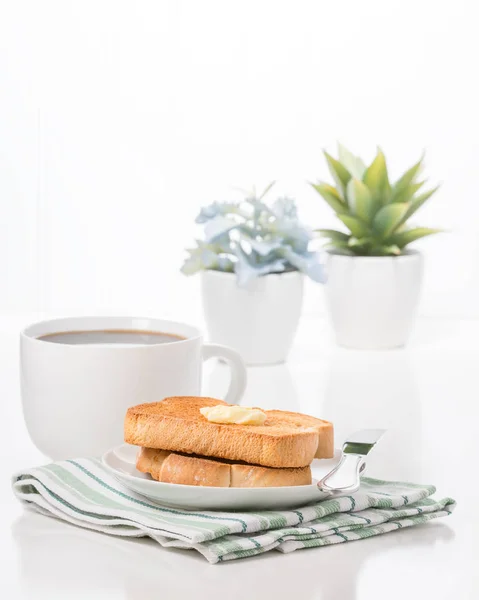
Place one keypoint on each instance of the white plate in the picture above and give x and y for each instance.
(121, 462)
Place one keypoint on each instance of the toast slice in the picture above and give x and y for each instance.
(170, 467)
(285, 440)
(325, 430)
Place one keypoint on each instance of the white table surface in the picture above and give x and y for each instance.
(428, 397)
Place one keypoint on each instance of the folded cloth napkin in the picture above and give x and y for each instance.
(84, 493)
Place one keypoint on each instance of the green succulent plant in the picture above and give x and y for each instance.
(374, 211)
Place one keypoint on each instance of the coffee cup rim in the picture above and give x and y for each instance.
(35, 330)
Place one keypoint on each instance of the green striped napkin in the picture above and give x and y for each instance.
(83, 492)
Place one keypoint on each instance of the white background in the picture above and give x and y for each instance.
(119, 120)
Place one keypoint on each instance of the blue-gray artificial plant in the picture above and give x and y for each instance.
(253, 238)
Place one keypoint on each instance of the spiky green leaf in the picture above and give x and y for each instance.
(331, 195)
(332, 234)
(417, 202)
(356, 242)
(360, 200)
(391, 249)
(377, 180)
(406, 237)
(406, 180)
(407, 194)
(388, 218)
(339, 173)
(357, 227)
(340, 248)
(353, 163)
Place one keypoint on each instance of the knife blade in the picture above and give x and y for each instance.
(345, 477)
(362, 442)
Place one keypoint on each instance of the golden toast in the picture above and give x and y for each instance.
(170, 467)
(285, 440)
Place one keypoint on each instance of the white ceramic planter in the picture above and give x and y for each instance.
(372, 300)
(259, 320)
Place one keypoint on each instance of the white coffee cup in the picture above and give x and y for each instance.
(75, 395)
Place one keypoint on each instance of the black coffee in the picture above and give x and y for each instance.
(111, 336)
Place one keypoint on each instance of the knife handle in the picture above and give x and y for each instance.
(345, 476)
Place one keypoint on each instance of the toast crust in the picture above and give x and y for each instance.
(170, 467)
(325, 430)
(176, 424)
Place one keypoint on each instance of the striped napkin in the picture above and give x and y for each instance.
(84, 493)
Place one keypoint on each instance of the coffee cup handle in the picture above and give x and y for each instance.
(238, 369)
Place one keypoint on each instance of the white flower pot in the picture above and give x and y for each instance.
(259, 320)
(372, 300)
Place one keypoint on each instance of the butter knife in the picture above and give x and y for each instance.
(345, 477)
